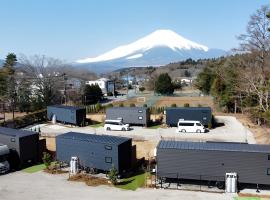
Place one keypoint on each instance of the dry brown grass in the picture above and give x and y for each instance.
(10, 115)
(89, 180)
(50, 143)
(96, 117)
(55, 171)
(180, 101)
(145, 148)
(261, 133)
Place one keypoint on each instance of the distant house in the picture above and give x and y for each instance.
(106, 85)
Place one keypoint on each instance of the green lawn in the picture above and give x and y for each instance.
(96, 125)
(154, 126)
(35, 168)
(247, 198)
(133, 182)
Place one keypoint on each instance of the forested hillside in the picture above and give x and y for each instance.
(241, 83)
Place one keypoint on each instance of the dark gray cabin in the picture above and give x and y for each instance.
(211, 160)
(95, 151)
(202, 114)
(130, 115)
(23, 145)
(67, 114)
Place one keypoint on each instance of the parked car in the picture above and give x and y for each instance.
(190, 127)
(116, 125)
(4, 164)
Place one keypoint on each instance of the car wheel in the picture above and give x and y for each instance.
(123, 129)
(183, 130)
(198, 131)
(108, 128)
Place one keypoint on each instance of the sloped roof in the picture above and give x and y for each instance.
(106, 139)
(213, 146)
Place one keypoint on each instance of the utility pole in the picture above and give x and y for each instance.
(127, 84)
(65, 88)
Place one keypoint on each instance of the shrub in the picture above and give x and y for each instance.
(110, 105)
(186, 105)
(47, 159)
(109, 94)
(145, 105)
(141, 89)
(210, 126)
(132, 105)
(174, 105)
(121, 105)
(113, 175)
(98, 107)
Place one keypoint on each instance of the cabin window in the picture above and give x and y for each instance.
(12, 139)
(108, 159)
(268, 171)
(108, 147)
(268, 157)
(140, 117)
(140, 111)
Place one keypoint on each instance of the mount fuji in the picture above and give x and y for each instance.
(158, 48)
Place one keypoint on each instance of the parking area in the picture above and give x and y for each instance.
(231, 131)
(40, 185)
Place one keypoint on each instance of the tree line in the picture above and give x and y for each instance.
(241, 82)
(28, 84)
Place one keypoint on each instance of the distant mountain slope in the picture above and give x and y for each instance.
(159, 48)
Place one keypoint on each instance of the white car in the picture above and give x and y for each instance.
(115, 125)
(190, 127)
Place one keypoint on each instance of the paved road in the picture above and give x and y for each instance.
(232, 131)
(41, 186)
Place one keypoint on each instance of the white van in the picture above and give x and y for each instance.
(4, 165)
(115, 125)
(190, 127)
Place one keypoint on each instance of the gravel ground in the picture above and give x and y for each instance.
(232, 131)
(22, 186)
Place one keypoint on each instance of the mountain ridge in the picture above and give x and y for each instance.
(158, 48)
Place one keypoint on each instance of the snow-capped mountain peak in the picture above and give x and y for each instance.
(159, 38)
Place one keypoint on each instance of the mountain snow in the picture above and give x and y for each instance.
(159, 38)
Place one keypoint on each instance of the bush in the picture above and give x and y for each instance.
(109, 94)
(141, 89)
(113, 175)
(132, 105)
(98, 107)
(186, 105)
(110, 105)
(174, 105)
(47, 159)
(145, 105)
(121, 105)
(130, 87)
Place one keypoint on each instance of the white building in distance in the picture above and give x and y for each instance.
(106, 85)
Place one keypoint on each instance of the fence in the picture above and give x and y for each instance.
(191, 182)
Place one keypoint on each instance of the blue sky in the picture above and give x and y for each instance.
(74, 29)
